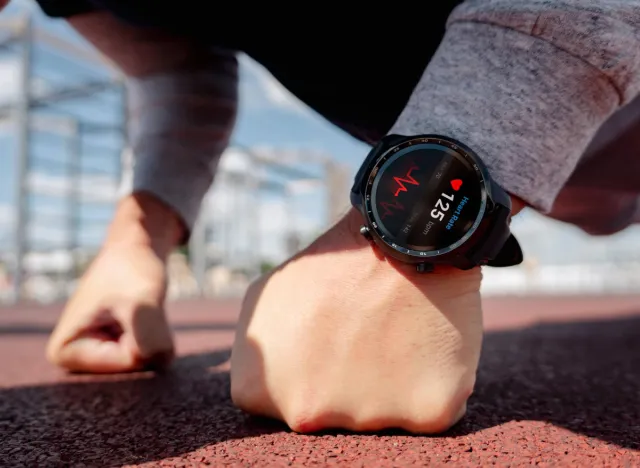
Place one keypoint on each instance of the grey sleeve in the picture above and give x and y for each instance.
(180, 123)
(527, 84)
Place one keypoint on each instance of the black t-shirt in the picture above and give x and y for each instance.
(357, 75)
(65, 8)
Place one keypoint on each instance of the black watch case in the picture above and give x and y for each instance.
(390, 172)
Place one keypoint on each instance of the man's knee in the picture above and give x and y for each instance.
(597, 212)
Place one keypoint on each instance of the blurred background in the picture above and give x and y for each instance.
(64, 162)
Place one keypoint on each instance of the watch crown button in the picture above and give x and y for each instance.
(364, 231)
(424, 267)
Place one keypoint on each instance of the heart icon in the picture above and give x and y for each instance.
(456, 184)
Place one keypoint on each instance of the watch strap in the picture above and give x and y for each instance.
(509, 255)
(499, 248)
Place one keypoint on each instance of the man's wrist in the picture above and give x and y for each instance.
(142, 219)
(348, 237)
(352, 250)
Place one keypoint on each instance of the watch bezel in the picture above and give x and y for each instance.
(461, 149)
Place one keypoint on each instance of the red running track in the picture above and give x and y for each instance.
(559, 385)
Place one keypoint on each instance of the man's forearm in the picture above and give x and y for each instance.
(527, 84)
(182, 98)
(141, 219)
(181, 122)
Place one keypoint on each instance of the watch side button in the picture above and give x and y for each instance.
(424, 267)
(364, 232)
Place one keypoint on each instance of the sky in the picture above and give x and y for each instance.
(270, 119)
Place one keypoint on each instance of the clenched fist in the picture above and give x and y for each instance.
(115, 321)
(339, 337)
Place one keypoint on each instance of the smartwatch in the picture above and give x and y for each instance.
(428, 200)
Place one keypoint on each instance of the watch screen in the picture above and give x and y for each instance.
(426, 197)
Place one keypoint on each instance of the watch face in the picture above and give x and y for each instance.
(426, 196)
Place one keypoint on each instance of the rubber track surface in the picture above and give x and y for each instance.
(559, 385)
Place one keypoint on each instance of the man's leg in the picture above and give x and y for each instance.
(603, 195)
(598, 212)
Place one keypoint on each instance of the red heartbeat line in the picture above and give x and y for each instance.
(408, 180)
(387, 208)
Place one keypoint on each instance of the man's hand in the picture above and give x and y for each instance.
(115, 322)
(339, 337)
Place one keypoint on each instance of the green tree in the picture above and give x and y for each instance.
(266, 266)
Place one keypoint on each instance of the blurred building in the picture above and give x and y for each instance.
(64, 162)
(562, 259)
(63, 131)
